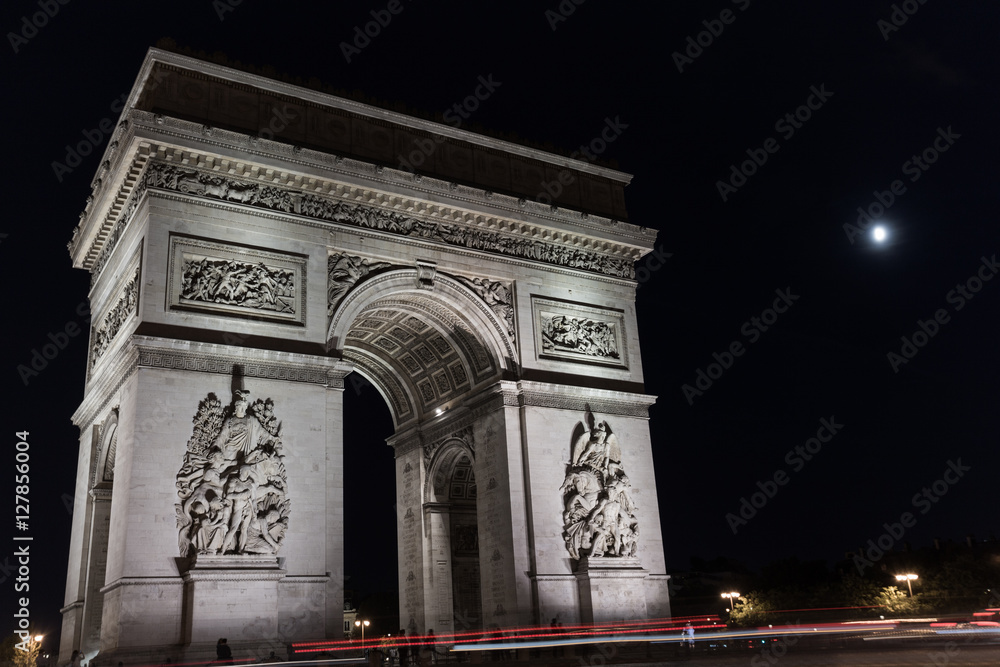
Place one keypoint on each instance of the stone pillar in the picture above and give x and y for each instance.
(505, 541)
(100, 528)
(243, 590)
(410, 528)
(76, 574)
(611, 589)
(334, 507)
(440, 603)
(560, 422)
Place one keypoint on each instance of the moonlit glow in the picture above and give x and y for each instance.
(879, 233)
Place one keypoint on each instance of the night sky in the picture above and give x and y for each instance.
(836, 108)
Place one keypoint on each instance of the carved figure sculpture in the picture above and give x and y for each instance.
(581, 335)
(497, 296)
(343, 272)
(172, 177)
(599, 513)
(238, 283)
(232, 484)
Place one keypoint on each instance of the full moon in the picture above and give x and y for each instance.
(879, 234)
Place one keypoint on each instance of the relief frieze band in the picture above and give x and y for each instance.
(115, 319)
(174, 178)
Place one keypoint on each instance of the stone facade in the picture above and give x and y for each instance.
(237, 280)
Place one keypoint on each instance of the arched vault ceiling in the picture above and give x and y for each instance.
(420, 354)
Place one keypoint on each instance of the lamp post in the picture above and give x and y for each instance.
(907, 578)
(34, 649)
(731, 596)
(362, 625)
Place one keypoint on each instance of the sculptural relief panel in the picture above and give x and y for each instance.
(599, 517)
(498, 297)
(567, 331)
(232, 483)
(228, 279)
(343, 273)
(126, 306)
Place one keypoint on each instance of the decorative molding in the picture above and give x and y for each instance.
(237, 575)
(274, 197)
(579, 404)
(388, 381)
(174, 128)
(464, 434)
(142, 581)
(102, 470)
(228, 279)
(78, 604)
(575, 332)
(120, 368)
(117, 219)
(205, 363)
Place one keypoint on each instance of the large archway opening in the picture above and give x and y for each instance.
(427, 349)
(370, 564)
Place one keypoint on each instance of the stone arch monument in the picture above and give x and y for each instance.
(250, 244)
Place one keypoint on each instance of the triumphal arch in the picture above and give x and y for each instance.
(250, 244)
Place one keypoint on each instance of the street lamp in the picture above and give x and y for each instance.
(731, 597)
(362, 625)
(907, 578)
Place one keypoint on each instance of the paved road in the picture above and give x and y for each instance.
(932, 655)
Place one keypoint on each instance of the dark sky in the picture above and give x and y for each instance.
(887, 95)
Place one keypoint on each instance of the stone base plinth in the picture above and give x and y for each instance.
(232, 596)
(611, 589)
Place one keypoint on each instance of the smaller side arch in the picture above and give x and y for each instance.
(440, 467)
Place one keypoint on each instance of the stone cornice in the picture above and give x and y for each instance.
(256, 159)
(152, 352)
(602, 401)
(120, 367)
(110, 204)
(78, 604)
(250, 81)
(265, 364)
(488, 400)
(142, 581)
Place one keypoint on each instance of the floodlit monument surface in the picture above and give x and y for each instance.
(250, 244)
